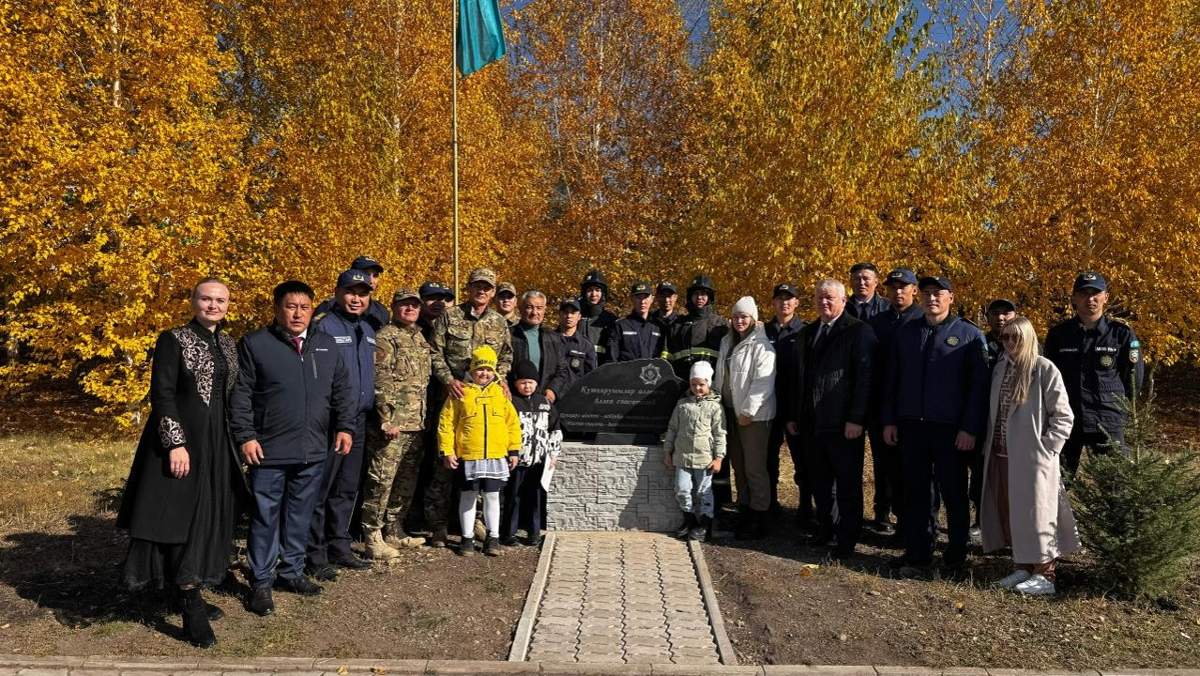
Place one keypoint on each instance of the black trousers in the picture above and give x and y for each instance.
(523, 495)
(329, 533)
(928, 454)
(1098, 442)
(835, 464)
(889, 483)
(799, 476)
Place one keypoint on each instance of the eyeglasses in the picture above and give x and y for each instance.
(1009, 337)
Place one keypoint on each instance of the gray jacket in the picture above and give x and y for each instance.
(696, 433)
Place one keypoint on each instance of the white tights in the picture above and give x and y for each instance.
(491, 512)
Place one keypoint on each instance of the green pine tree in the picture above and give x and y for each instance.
(1139, 514)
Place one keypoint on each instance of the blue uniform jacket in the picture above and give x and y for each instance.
(885, 324)
(783, 338)
(1099, 367)
(355, 339)
(635, 338)
(290, 403)
(938, 374)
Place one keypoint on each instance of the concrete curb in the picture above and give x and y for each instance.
(724, 647)
(297, 666)
(533, 601)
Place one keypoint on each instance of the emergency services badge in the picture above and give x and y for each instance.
(650, 374)
(576, 362)
(952, 341)
(1135, 351)
(1106, 361)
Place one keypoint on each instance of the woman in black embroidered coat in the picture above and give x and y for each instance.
(179, 502)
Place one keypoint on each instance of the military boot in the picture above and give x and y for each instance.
(437, 539)
(378, 549)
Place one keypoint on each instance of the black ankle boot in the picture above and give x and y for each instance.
(195, 620)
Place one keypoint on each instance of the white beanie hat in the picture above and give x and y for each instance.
(746, 306)
(702, 370)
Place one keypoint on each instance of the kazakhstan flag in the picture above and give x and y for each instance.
(480, 34)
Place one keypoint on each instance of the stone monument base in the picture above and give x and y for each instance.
(612, 487)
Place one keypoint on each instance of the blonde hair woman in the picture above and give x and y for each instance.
(1023, 503)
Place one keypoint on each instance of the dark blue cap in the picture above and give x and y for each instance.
(901, 276)
(641, 289)
(353, 277)
(1002, 305)
(1090, 280)
(784, 288)
(666, 287)
(571, 303)
(366, 263)
(435, 290)
(940, 282)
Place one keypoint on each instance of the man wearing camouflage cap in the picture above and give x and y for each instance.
(456, 334)
(403, 365)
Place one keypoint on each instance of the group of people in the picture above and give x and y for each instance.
(343, 414)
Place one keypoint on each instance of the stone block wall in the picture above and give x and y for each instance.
(610, 487)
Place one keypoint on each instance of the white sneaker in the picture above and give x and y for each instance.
(1014, 578)
(1036, 585)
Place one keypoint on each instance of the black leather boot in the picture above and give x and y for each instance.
(195, 620)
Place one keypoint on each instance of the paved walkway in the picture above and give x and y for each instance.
(630, 598)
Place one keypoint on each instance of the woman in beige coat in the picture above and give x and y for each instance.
(1023, 504)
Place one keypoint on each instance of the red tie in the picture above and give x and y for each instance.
(297, 341)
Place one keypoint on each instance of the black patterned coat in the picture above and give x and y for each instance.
(191, 378)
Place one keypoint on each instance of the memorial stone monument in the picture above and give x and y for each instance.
(611, 474)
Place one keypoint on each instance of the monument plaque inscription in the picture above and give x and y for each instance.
(631, 397)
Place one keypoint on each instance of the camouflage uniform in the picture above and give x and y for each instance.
(403, 363)
(455, 334)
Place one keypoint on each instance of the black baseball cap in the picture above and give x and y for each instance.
(784, 288)
(901, 276)
(940, 282)
(640, 288)
(435, 290)
(665, 286)
(570, 304)
(366, 263)
(1002, 305)
(864, 265)
(1090, 280)
(353, 277)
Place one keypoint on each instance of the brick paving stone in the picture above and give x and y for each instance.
(621, 597)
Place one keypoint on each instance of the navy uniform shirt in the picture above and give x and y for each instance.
(635, 338)
(938, 374)
(1100, 366)
(867, 309)
(885, 324)
(355, 339)
(783, 338)
(579, 355)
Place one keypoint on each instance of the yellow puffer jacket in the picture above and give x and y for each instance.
(483, 425)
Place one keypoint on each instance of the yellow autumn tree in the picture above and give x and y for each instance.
(818, 142)
(1081, 119)
(610, 83)
(356, 99)
(122, 184)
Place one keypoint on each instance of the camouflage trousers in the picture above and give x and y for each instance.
(437, 497)
(391, 479)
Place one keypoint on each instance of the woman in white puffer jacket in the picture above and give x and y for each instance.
(745, 380)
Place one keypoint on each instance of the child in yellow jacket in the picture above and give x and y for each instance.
(479, 436)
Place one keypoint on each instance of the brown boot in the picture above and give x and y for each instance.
(378, 549)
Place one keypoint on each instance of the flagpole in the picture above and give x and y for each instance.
(454, 132)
